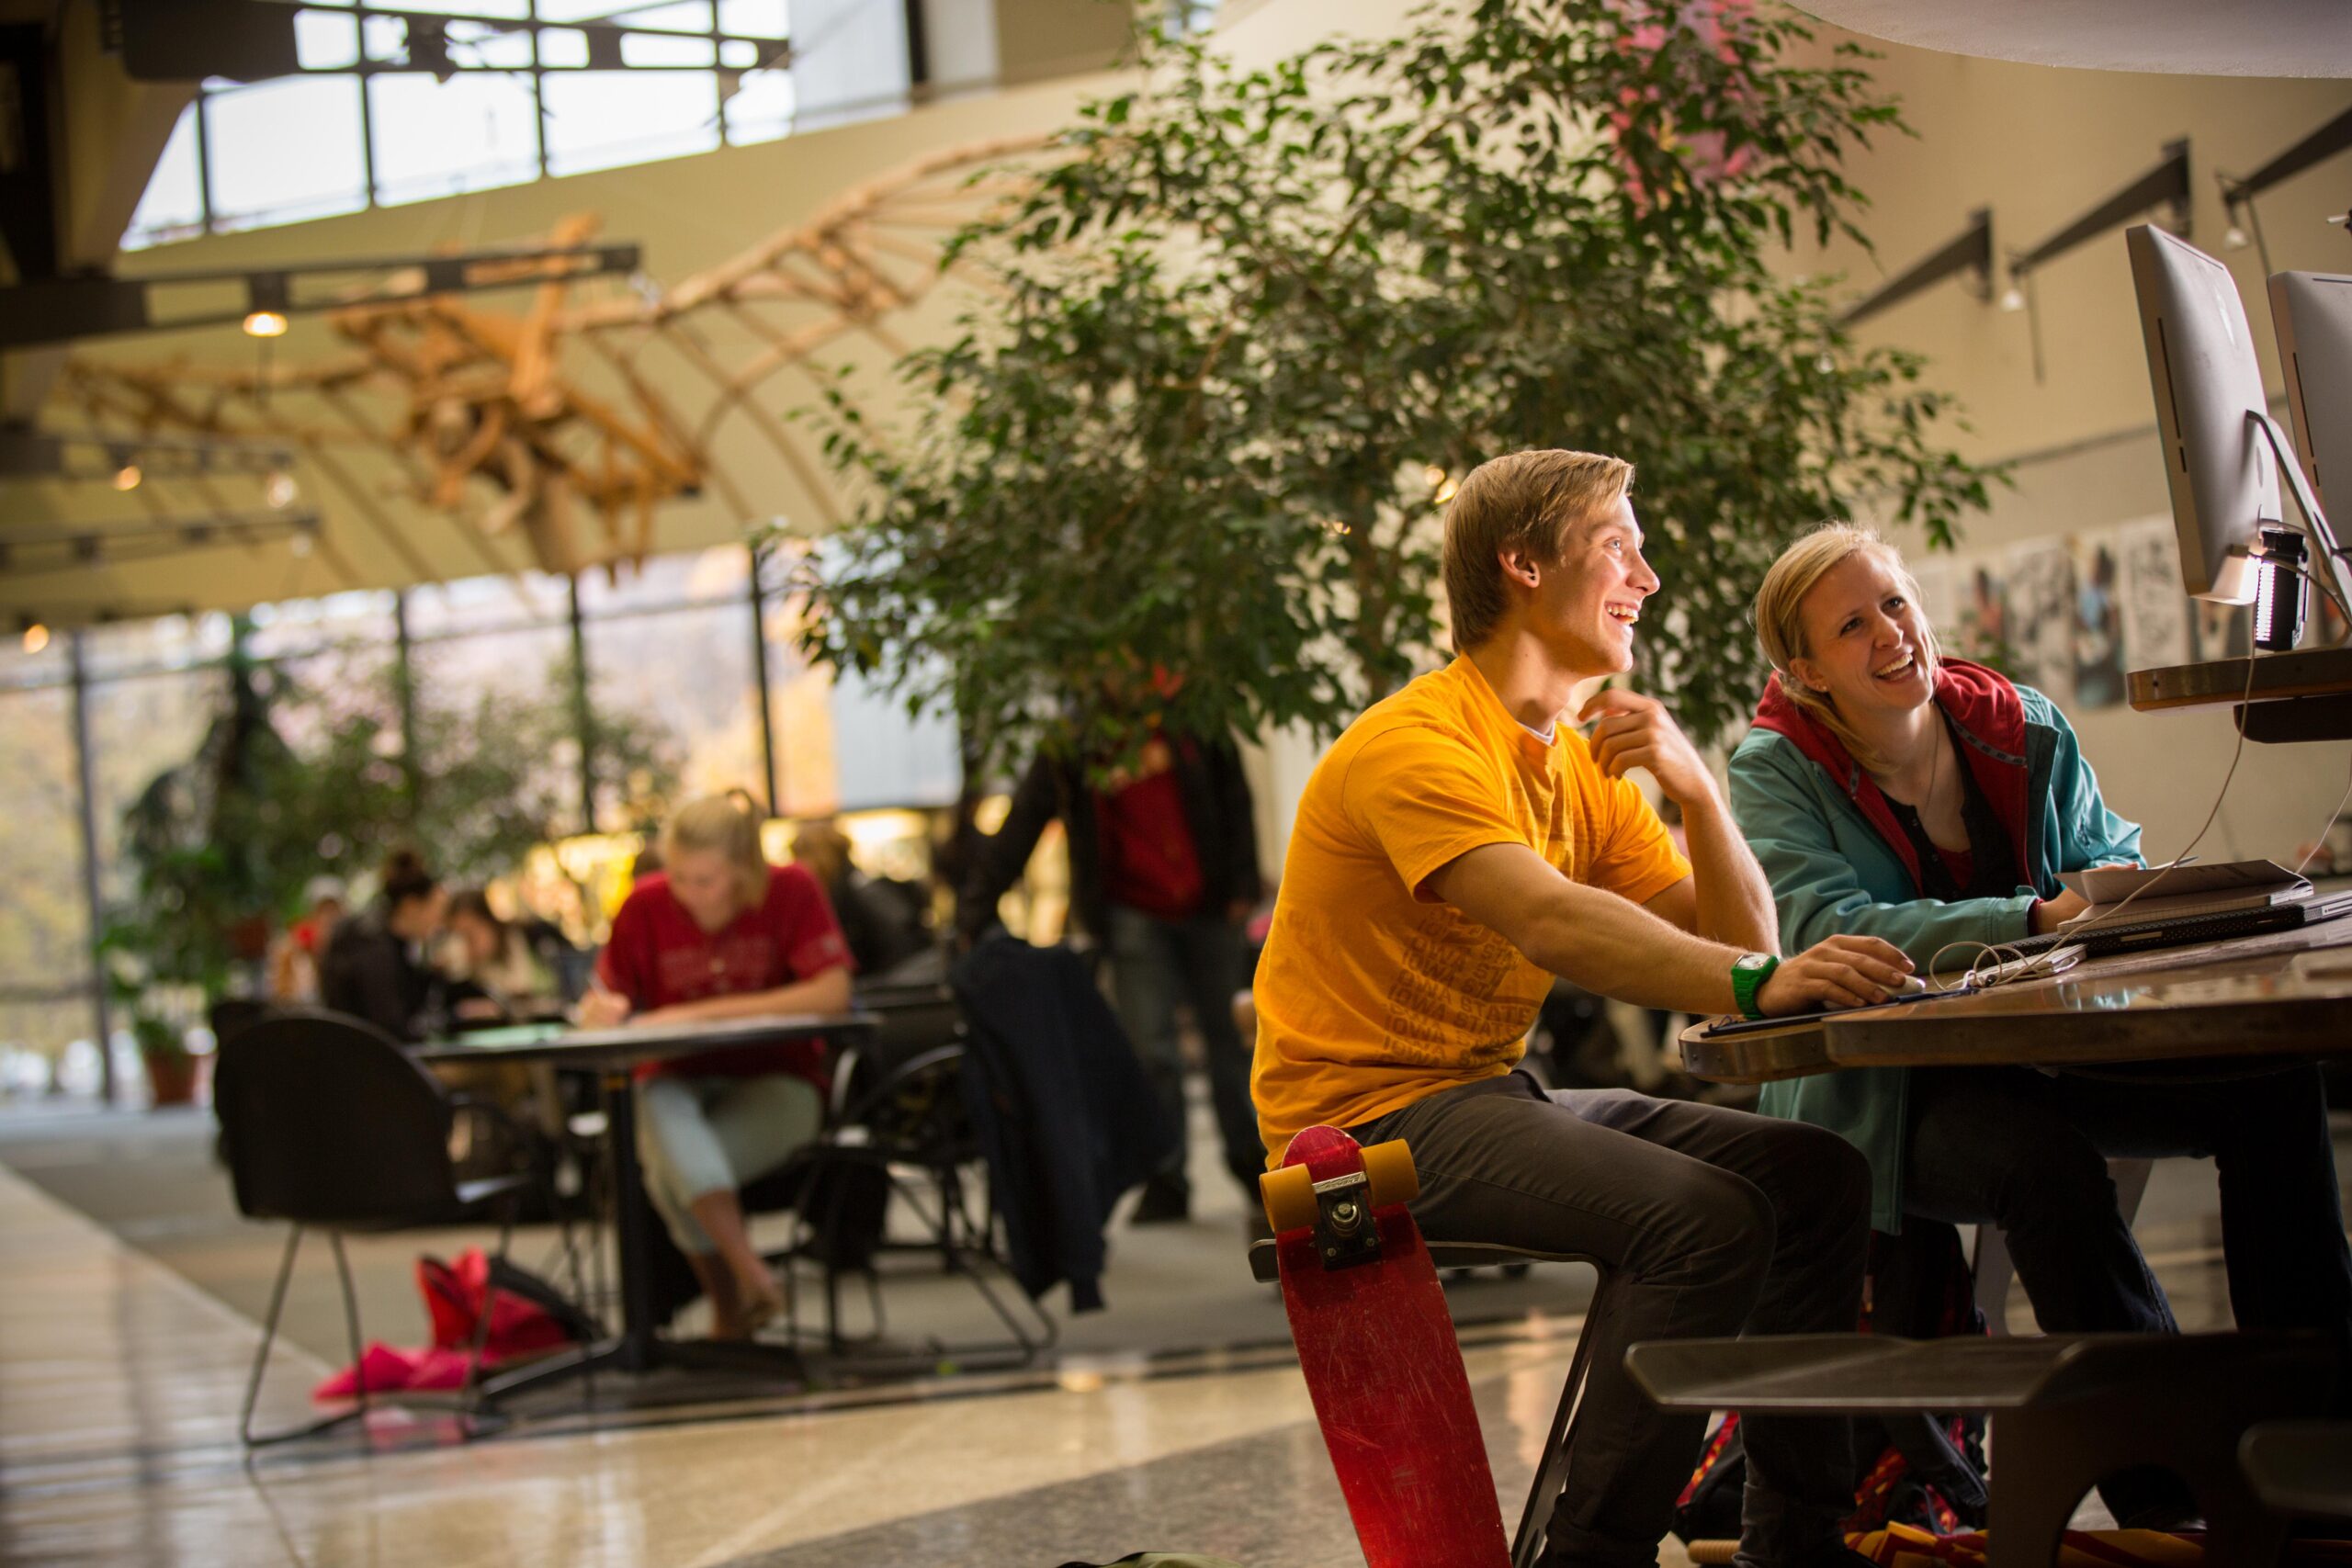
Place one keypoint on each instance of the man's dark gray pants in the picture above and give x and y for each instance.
(1714, 1221)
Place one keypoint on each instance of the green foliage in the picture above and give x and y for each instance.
(1246, 315)
(222, 846)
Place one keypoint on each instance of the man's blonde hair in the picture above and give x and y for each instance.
(1779, 617)
(729, 826)
(1523, 500)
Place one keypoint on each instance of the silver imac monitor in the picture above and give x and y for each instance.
(2312, 312)
(2207, 381)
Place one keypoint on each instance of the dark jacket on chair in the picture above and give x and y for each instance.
(1061, 1106)
(1216, 808)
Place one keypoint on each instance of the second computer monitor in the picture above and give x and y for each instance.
(2312, 312)
(2208, 382)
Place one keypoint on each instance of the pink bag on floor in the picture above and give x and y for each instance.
(454, 1296)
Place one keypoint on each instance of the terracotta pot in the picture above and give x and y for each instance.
(171, 1077)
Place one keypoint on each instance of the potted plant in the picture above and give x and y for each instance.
(163, 1049)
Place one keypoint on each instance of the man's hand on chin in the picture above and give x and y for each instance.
(1635, 731)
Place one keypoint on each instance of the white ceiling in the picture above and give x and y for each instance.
(2206, 38)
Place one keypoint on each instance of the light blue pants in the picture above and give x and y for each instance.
(700, 1135)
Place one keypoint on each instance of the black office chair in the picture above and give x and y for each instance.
(228, 1017)
(328, 1124)
(899, 1128)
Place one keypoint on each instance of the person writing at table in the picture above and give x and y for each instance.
(1458, 847)
(1931, 803)
(719, 934)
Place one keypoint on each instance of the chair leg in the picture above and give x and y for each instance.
(1552, 1468)
(469, 1396)
(351, 1323)
(268, 1336)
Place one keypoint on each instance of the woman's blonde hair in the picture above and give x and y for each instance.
(726, 824)
(1779, 618)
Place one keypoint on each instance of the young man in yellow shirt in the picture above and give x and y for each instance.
(1458, 847)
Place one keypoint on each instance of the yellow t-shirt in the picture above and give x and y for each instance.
(1372, 993)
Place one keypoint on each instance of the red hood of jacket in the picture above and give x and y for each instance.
(1981, 703)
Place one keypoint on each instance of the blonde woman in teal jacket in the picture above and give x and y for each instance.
(1890, 792)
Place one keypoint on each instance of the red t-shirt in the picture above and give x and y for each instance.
(658, 958)
(1149, 859)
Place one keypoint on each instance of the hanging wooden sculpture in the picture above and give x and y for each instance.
(571, 421)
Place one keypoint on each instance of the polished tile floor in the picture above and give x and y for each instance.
(119, 1381)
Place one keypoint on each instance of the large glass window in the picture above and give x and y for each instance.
(471, 133)
(44, 920)
(521, 105)
(602, 120)
(669, 674)
(284, 151)
(141, 728)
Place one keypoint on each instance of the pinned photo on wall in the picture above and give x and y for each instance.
(2039, 604)
(1979, 627)
(2098, 618)
(2156, 607)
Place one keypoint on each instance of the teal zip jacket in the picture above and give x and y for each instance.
(1840, 864)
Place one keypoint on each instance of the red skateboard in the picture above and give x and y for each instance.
(1381, 1361)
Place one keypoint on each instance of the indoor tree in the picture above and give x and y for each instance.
(1247, 328)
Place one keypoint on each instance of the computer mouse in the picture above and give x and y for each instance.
(1910, 985)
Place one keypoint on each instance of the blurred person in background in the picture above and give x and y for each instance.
(496, 958)
(1163, 871)
(375, 966)
(722, 934)
(294, 958)
(882, 927)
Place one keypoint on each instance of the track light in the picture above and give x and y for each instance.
(35, 637)
(2013, 300)
(280, 489)
(266, 305)
(127, 476)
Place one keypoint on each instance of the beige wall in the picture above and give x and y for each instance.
(2041, 145)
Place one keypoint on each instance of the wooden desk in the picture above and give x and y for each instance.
(2286, 993)
(2304, 695)
(613, 1054)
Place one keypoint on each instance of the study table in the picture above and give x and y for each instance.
(2302, 696)
(2280, 993)
(613, 1054)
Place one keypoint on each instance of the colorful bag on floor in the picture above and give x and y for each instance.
(529, 1317)
(528, 1314)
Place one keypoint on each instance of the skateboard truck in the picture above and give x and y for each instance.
(1341, 1207)
(1345, 1232)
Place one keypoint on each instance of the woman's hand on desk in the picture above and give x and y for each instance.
(602, 1010)
(2050, 913)
(1840, 972)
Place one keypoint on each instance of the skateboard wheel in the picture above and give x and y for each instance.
(1289, 1195)
(1388, 1169)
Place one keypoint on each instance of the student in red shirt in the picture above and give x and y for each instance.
(720, 933)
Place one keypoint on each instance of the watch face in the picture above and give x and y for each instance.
(1751, 962)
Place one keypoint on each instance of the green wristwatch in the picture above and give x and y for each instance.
(1748, 972)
